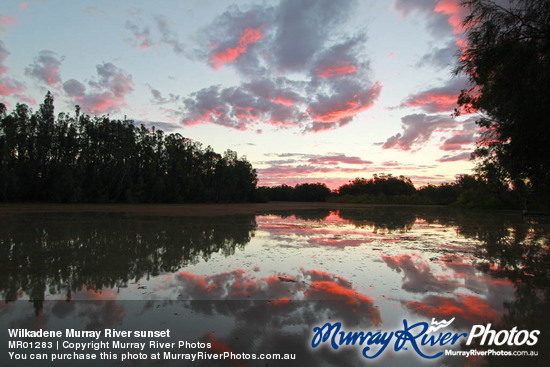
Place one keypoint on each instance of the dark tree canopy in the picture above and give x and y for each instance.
(507, 59)
(379, 184)
(301, 192)
(95, 159)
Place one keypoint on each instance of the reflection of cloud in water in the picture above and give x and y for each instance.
(485, 304)
(417, 275)
(333, 232)
(464, 307)
(281, 291)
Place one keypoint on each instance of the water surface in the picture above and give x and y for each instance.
(260, 283)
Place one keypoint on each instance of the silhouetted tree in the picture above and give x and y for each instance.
(301, 192)
(507, 59)
(379, 184)
(311, 192)
(96, 159)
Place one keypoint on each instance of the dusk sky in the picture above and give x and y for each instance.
(307, 90)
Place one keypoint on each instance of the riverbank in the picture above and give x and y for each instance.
(183, 210)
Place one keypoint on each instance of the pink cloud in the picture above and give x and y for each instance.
(332, 182)
(98, 103)
(22, 6)
(341, 109)
(466, 307)
(390, 164)
(417, 130)
(439, 99)
(432, 102)
(298, 75)
(340, 158)
(9, 87)
(8, 21)
(284, 101)
(45, 68)
(108, 92)
(141, 36)
(457, 142)
(229, 55)
(462, 139)
(454, 11)
(341, 68)
(302, 170)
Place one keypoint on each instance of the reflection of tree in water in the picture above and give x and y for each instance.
(64, 254)
(310, 215)
(520, 251)
(381, 218)
(509, 247)
(528, 311)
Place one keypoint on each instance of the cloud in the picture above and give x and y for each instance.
(440, 99)
(308, 74)
(311, 285)
(466, 156)
(443, 16)
(297, 168)
(159, 99)
(336, 69)
(338, 109)
(7, 21)
(339, 158)
(405, 7)
(458, 141)
(440, 58)
(74, 88)
(8, 86)
(4, 53)
(45, 68)
(230, 54)
(417, 275)
(302, 170)
(169, 35)
(107, 93)
(454, 11)
(417, 130)
(464, 307)
(462, 139)
(141, 35)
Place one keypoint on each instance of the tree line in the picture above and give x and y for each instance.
(467, 191)
(79, 158)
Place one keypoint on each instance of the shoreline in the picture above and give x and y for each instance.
(183, 210)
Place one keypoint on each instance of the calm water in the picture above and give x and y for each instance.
(261, 283)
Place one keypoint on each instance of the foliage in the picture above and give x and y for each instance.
(301, 192)
(383, 184)
(95, 159)
(507, 59)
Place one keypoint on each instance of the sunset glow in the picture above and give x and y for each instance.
(308, 91)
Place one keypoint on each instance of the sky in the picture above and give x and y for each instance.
(308, 90)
